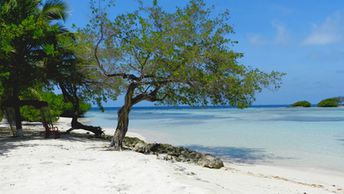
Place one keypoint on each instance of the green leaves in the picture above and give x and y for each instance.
(57, 106)
(28, 39)
(185, 55)
(49, 49)
(54, 10)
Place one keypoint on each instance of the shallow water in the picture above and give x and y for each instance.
(312, 137)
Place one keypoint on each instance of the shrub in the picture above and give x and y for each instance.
(68, 109)
(57, 106)
(301, 104)
(330, 102)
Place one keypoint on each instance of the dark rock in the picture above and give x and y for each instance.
(172, 153)
(130, 142)
(210, 161)
(141, 147)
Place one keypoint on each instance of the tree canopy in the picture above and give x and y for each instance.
(329, 102)
(303, 103)
(181, 57)
(26, 41)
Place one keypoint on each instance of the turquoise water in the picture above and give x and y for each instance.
(312, 137)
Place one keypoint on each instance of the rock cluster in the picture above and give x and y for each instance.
(169, 152)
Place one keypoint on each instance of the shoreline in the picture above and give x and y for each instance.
(26, 164)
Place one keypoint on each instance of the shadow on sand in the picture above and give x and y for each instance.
(8, 143)
(238, 154)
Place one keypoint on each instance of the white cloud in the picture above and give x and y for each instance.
(282, 9)
(330, 31)
(281, 36)
(256, 39)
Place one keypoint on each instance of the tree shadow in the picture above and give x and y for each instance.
(8, 143)
(238, 154)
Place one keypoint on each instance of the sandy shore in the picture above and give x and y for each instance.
(79, 165)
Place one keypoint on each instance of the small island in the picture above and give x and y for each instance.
(330, 102)
(303, 103)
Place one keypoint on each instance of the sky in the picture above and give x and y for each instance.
(304, 39)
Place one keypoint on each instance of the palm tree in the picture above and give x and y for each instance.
(29, 30)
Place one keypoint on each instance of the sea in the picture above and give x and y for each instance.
(311, 138)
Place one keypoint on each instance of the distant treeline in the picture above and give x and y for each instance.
(329, 102)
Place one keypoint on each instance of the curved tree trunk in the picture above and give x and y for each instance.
(72, 96)
(122, 128)
(123, 119)
(75, 124)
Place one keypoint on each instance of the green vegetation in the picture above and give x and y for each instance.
(36, 51)
(68, 109)
(329, 102)
(27, 40)
(181, 57)
(301, 104)
(57, 107)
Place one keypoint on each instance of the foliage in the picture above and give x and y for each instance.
(301, 104)
(56, 105)
(329, 102)
(29, 31)
(74, 71)
(68, 109)
(183, 57)
(56, 102)
(27, 39)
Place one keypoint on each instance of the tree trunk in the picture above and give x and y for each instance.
(75, 124)
(19, 127)
(123, 119)
(72, 97)
(122, 127)
(18, 121)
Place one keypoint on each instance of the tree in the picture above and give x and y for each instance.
(26, 40)
(303, 103)
(184, 57)
(78, 77)
(329, 102)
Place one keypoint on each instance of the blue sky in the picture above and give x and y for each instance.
(304, 39)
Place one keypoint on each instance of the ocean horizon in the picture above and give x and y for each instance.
(194, 107)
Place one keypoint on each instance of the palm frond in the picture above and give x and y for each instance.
(54, 10)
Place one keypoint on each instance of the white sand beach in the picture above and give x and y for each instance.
(80, 165)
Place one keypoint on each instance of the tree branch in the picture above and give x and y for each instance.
(152, 96)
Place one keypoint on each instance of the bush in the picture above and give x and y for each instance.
(330, 102)
(301, 104)
(57, 106)
(68, 109)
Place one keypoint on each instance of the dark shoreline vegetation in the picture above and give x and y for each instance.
(330, 102)
(304, 103)
(326, 103)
